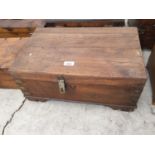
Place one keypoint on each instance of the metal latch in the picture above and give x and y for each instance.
(61, 84)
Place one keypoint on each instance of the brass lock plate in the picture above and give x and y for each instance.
(61, 85)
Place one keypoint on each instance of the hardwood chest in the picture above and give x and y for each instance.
(94, 65)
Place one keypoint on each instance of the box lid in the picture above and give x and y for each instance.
(101, 53)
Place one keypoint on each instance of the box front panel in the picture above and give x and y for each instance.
(6, 81)
(103, 94)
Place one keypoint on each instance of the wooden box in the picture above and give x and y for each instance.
(94, 65)
(9, 48)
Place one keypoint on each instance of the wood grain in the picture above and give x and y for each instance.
(22, 23)
(90, 30)
(9, 49)
(19, 28)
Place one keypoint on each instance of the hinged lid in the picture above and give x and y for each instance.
(81, 53)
